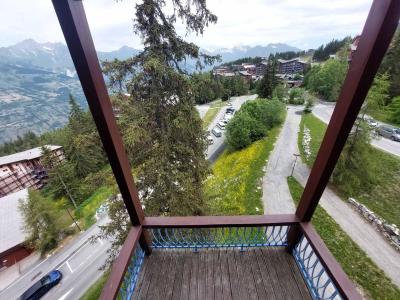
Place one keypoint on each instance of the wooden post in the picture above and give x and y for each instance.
(74, 25)
(377, 34)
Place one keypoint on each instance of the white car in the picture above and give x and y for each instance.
(216, 131)
(228, 117)
(210, 140)
(221, 125)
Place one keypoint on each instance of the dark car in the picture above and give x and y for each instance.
(42, 286)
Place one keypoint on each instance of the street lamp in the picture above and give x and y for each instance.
(294, 164)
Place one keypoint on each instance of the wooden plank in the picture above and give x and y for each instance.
(233, 275)
(157, 281)
(247, 288)
(172, 270)
(285, 275)
(286, 288)
(217, 275)
(147, 280)
(167, 273)
(256, 273)
(265, 274)
(275, 280)
(185, 287)
(194, 259)
(225, 280)
(209, 275)
(219, 221)
(179, 262)
(298, 278)
(201, 282)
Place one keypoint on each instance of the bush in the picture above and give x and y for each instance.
(252, 121)
(296, 96)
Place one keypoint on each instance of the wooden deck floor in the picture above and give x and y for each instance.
(259, 273)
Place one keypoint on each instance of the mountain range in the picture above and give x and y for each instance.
(36, 78)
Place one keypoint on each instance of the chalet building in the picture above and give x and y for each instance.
(291, 66)
(23, 170)
(223, 71)
(246, 75)
(261, 68)
(12, 238)
(249, 68)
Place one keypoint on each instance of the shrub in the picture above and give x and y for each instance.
(296, 96)
(252, 122)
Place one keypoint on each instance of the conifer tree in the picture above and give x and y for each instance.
(165, 130)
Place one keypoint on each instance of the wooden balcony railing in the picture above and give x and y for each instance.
(321, 272)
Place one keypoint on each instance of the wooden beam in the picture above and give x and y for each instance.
(345, 286)
(377, 34)
(220, 221)
(72, 18)
(121, 264)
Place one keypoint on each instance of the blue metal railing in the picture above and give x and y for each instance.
(132, 274)
(317, 279)
(218, 237)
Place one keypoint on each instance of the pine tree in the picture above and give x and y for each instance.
(269, 81)
(170, 164)
(395, 110)
(41, 221)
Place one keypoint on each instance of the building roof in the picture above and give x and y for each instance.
(244, 73)
(11, 221)
(282, 61)
(25, 155)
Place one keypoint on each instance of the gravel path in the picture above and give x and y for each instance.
(277, 199)
(276, 195)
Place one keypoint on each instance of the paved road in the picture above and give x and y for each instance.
(323, 111)
(218, 146)
(276, 195)
(79, 263)
(359, 230)
(277, 199)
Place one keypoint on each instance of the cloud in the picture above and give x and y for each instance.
(300, 23)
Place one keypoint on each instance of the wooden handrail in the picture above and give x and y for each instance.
(344, 285)
(219, 221)
(120, 265)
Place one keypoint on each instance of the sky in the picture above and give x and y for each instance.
(301, 23)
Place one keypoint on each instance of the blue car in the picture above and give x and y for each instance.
(42, 286)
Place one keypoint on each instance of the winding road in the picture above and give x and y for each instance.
(277, 199)
(79, 262)
(323, 111)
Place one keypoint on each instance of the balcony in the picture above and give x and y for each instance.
(230, 257)
(226, 258)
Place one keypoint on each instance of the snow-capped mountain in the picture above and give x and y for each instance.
(230, 54)
(36, 78)
(52, 57)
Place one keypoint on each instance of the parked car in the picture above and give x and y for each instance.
(229, 103)
(370, 121)
(210, 140)
(228, 117)
(230, 110)
(42, 286)
(216, 131)
(389, 132)
(221, 125)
